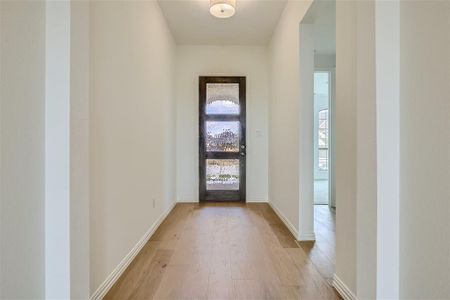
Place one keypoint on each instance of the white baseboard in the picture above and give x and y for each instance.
(286, 222)
(342, 289)
(115, 275)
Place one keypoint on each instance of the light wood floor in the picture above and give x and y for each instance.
(223, 251)
(322, 251)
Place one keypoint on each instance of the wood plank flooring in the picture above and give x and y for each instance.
(322, 251)
(222, 251)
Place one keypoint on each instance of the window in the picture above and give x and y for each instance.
(323, 140)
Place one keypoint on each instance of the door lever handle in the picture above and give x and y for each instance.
(242, 153)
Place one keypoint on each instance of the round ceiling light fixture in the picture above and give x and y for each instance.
(222, 8)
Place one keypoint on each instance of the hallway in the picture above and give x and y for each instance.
(224, 149)
(222, 251)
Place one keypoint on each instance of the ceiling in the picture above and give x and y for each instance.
(192, 24)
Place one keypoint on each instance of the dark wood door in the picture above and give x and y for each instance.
(222, 144)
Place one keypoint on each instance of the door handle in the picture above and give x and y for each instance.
(242, 153)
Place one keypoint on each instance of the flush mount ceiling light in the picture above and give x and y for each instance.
(222, 8)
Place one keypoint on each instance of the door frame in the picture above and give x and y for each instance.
(228, 196)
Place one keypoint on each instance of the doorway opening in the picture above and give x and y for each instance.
(317, 81)
(324, 199)
(222, 139)
(322, 80)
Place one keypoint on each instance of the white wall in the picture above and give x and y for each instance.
(366, 152)
(132, 128)
(325, 61)
(346, 143)
(67, 150)
(332, 139)
(424, 148)
(356, 148)
(57, 150)
(79, 145)
(368, 72)
(284, 49)
(195, 61)
(387, 56)
(306, 131)
(22, 138)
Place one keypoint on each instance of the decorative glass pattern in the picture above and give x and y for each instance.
(222, 174)
(222, 99)
(222, 136)
(323, 140)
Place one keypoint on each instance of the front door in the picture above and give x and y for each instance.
(222, 146)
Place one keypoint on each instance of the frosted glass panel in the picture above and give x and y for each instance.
(222, 136)
(222, 174)
(222, 99)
